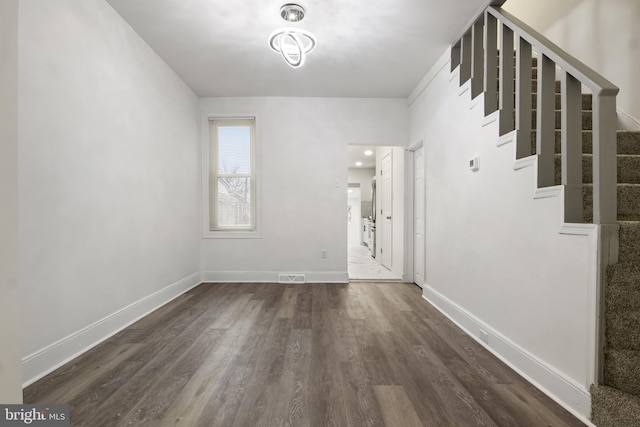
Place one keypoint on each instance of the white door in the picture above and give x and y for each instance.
(385, 210)
(418, 216)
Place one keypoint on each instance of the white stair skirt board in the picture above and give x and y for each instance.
(574, 397)
(478, 100)
(51, 357)
(525, 162)
(273, 276)
(506, 139)
(466, 87)
(493, 117)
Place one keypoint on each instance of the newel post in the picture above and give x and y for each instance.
(605, 197)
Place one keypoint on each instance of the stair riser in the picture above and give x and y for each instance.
(624, 274)
(628, 210)
(629, 251)
(586, 101)
(628, 142)
(534, 72)
(628, 169)
(587, 120)
(612, 408)
(623, 330)
(534, 86)
(622, 370)
(620, 298)
(534, 59)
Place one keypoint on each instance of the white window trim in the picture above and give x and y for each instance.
(205, 182)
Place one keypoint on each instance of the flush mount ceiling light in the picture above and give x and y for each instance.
(293, 44)
(292, 12)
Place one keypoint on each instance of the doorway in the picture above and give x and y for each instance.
(370, 255)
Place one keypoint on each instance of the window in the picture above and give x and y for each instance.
(232, 194)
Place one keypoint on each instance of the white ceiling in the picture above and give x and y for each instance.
(365, 48)
(355, 153)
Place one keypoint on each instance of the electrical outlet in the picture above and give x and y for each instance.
(323, 253)
(484, 336)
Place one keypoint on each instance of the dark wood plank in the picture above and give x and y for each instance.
(188, 406)
(266, 375)
(226, 396)
(238, 354)
(325, 388)
(303, 309)
(397, 409)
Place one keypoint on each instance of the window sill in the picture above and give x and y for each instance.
(232, 235)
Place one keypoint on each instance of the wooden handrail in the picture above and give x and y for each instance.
(594, 81)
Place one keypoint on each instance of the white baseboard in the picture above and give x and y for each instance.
(51, 357)
(272, 276)
(568, 393)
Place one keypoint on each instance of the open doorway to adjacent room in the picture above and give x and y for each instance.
(374, 235)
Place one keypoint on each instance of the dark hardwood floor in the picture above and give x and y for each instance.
(362, 354)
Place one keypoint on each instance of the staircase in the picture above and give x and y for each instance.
(616, 400)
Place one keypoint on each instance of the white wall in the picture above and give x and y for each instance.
(109, 201)
(10, 367)
(494, 256)
(605, 35)
(303, 182)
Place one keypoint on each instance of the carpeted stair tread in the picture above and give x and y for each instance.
(614, 408)
(623, 329)
(628, 203)
(621, 368)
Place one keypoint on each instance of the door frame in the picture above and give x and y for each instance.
(409, 211)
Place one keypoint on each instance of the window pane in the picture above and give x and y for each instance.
(234, 202)
(234, 149)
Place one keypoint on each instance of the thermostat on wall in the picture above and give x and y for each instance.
(473, 164)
